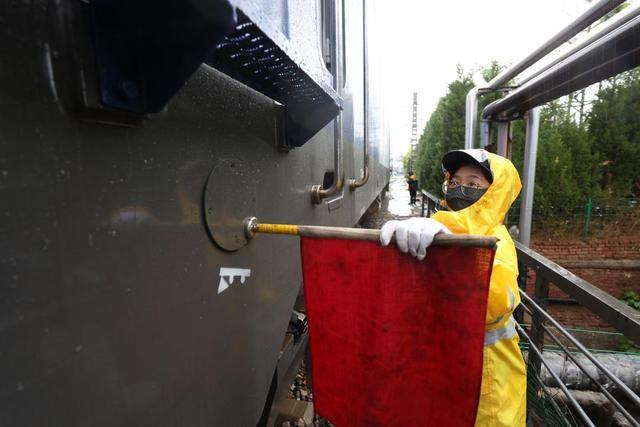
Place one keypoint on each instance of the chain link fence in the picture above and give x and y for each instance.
(593, 218)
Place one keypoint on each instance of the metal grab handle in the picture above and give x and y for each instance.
(318, 194)
(252, 226)
(355, 183)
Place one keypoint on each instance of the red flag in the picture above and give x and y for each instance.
(395, 341)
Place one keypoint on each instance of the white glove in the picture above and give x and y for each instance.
(413, 235)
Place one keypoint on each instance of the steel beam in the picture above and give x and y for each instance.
(471, 113)
(485, 133)
(530, 154)
(503, 138)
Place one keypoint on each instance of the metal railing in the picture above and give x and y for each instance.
(605, 306)
(616, 313)
(431, 203)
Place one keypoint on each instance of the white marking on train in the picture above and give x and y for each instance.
(228, 275)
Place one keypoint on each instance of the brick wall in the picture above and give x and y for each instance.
(615, 248)
(611, 280)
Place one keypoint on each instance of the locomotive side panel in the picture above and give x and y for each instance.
(117, 307)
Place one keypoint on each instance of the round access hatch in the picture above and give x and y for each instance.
(228, 200)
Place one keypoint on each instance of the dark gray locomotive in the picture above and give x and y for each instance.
(135, 137)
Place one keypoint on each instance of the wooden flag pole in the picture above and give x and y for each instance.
(252, 226)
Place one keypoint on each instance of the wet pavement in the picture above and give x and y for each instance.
(398, 199)
(394, 205)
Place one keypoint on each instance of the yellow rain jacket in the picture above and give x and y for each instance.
(504, 382)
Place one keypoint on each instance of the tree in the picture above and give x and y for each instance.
(591, 155)
(566, 167)
(556, 190)
(443, 132)
(406, 159)
(446, 127)
(615, 134)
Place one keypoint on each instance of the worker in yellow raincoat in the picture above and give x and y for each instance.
(479, 189)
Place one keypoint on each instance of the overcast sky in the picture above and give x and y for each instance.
(424, 40)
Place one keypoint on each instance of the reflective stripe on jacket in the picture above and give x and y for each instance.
(504, 383)
(506, 332)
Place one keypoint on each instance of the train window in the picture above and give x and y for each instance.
(343, 46)
(328, 33)
(329, 37)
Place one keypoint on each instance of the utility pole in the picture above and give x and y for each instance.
(414, 133)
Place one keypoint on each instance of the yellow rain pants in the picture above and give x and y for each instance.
(504, 382)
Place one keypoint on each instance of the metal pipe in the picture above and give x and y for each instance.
(252, 226)
(564, 388)
(485, 133)
(318, 194)
(471, 112)
(622, 386)
(611, 54)
(503, 138)
(437, 203)
(530, 153)
(592, 14)
(613, 23)
(600, 387)
(355, 183)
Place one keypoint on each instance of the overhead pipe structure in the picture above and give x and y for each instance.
(616, 21)
(610, 52)
(613, 53)
(621, 39)
(592, 14)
